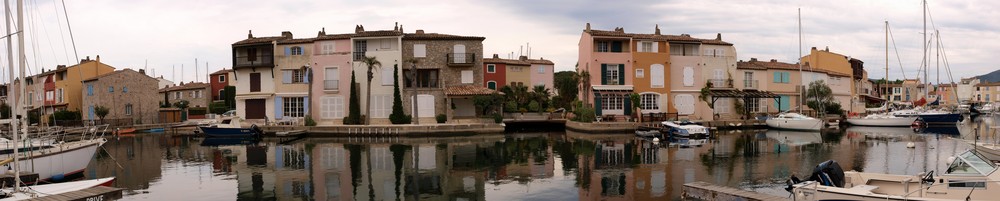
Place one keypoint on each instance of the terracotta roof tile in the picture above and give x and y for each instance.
(468, 90)
(258, 40)
(334, 36)
(185, 87)
(297, 41)
(541, 61)
(753, 64)
(108, 74)
(223, 71)
(378, 33)
(437, 36)
(671, 38)
(595, 32)
(505, 61)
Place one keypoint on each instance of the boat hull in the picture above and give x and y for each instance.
(54, 164)
(228, 132)
(795, 124)
(946, 118)
(887, 122)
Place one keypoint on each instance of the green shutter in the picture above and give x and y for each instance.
(628, 105)
(777, 77)
(621, 74)
(604, 70)
(786, 77)
(597, 104)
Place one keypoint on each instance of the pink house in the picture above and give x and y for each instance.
(542, 72)
(607, 56)
(331, 71)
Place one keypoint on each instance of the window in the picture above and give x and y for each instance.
(252, 54)
(603, 46)
(50, 95)
(331, 79)
(492, 85)
(612, 74)
(427, 78)
(381, 105)
(222, 78)
(640, 73)
(748, 81)
(491, 68)
(222, 94)
(293, 76)
(387, 76)
(612, 102)
(293, 106)
(467, 77)
(328, 48)
(124, 89)
(649, 102)
(178, 95)
(254, 82)
(723, 105)
(32, 94)
(59, 95)
(360, 47)
(754, 105)
(782, 77)
(688, 76)
(110, 90)
(541, 70)
(647, 46)
(419, 50)
(296, 50)
(332, 107)
(128, 109)
(680, 49)
(427, 104)
(197, 94)
(514, 68)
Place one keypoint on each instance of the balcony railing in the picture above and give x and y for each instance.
(461, 59)
(721, 83)
(750, 84)
(331, 84)
(259, 60)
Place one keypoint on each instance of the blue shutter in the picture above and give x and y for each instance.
(597, 105)
(90, 113)
(90, 90)
(628, 105)
(305, 76)
(305, 105)
(604, 70)
(621, 74)
(279, 109)
(777, 77)
(786, 77)
(288, 51)
(286, 76)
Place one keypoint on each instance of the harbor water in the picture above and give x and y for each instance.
(512, 166)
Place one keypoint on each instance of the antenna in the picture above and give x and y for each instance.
(196, 69)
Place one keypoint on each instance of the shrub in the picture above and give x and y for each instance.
(441, 118)
(218, 107)
(400, 119)
(497, 118)
(510, 106)
(534, 106)
(584, 114)
(310, 121)
(197, 111)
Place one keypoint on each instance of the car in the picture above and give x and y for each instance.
(229, 113)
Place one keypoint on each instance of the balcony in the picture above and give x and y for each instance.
(751, 84)
(331, 85)
(721, 83)
(254, 61)
(461, 59)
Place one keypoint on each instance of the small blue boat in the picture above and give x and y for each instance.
(940, 118)
(155, 130)
(231, 132)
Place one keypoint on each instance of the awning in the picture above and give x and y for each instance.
(735, 93)
(612, 89)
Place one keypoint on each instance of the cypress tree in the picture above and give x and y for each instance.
(354, 107)
(397, 116)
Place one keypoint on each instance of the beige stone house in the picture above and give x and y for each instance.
(197, 94)
(127, 94)
(448, 67)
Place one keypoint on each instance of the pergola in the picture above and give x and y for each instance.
(745, 94)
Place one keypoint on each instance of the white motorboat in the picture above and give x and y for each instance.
(795, 121)
(40, 191)
(989, 150)
(685, 134)
(882, 120)
(970, 176)
(794, 138)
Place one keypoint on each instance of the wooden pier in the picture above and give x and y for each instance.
(706, 191)
(90, 194)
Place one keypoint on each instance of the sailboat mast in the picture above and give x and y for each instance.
(886, 83)
(801, 87)
(15, 104)
(925, 59)
(937, 59)
(20, 111)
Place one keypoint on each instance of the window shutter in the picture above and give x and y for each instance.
(628, 105)
(656, 46)
(621, 74)
(786, 77)
(305, 105)
(386, 76)
(288, 51)
(604, 70)
(597, 105)
(467, 77)
(777, 77)
(90, 113)
(286, 76)
(616, 46)
(305, 75)
(279, 109)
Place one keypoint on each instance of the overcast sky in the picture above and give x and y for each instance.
(169, 34)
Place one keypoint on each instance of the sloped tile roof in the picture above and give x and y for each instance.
(437, 36)
(334, 36)
(109, 74)
(753, 64)
(257, 40)
(505, 61)
(541, 61)
(468, 90)
(223, 71)
(378, 33)
(297, 41)
(185, 87)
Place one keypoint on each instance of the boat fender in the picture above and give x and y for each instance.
(58, 177)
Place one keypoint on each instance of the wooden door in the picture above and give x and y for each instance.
(255, 109)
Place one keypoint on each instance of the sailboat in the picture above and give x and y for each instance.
(887, 118)
(60, 157)
(796, 121)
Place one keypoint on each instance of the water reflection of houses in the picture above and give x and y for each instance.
(144, 162)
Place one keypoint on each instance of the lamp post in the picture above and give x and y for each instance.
(308, 72)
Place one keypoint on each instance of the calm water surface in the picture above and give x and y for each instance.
(523, 166)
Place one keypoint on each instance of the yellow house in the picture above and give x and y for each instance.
(63, 89)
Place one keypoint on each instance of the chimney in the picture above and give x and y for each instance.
(143, 71)
(718, 36)
(359, 29)
(753, 59)
(523, 58)
(814, 48)
(657, 30)
(774, 60)
(322, 32)
(588, 27)
(400, 28)
(286, 34)
(827, 48)
(420, 31)
(60, 66)
(250, 35)
(495, 56)
(98, 58)
(686, 35)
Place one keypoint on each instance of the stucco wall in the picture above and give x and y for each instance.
(340, 59)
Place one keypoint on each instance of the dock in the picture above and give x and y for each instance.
(95, 193)
(706, 191)
(289, 133)
(7, 179)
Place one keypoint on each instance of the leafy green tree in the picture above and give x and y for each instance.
(373, 65)
(819, 97)
(566, 84)
(397, 116)
(354, 105)
(5, 111)
(488, 104)
(534, 106)
(635, 99)
(230, 97)
(101, 112)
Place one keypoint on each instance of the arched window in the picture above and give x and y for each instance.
(492, 85)
(649, 102)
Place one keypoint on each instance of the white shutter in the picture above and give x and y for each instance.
(684, 103)
(656, 75)
(286, 76)
(419, 50)
(656, 46)
(719, 74)
(466, 77)
(386, 73)
(426, 105)
(688, 76)
(722, 52)
(459, 51)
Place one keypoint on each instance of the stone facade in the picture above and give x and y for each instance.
(437, 48)
(197, 94)
(126, 93)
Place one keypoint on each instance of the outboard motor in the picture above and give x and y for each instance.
(827, 173)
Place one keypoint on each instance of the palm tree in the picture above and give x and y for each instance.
(372, 64)
(541, 94)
